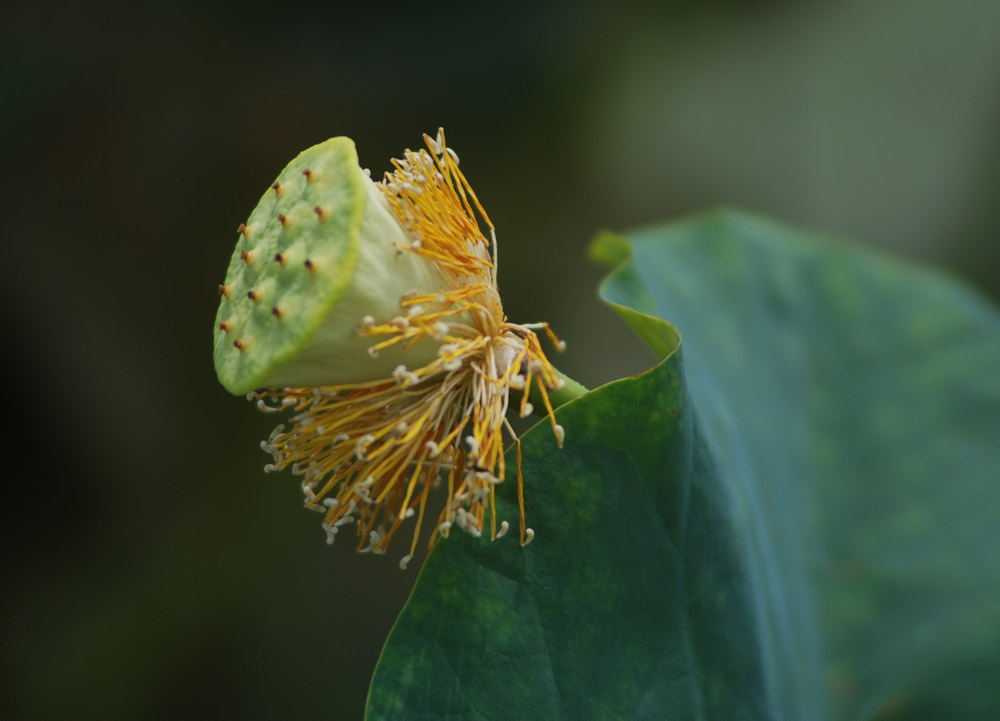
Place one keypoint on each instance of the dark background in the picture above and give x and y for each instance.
(152, 570)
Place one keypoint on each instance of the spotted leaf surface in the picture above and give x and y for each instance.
(797, 521)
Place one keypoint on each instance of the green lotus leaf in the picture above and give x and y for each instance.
(796, 521)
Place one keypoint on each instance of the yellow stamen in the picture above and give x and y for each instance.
(375, 449)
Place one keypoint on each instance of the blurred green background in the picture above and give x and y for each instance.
(153, 570)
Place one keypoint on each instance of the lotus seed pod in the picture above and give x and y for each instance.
(318, 256)
(372, 309)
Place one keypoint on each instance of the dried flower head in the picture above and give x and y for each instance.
(370, 311)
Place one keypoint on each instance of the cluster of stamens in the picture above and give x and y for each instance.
(369, 453)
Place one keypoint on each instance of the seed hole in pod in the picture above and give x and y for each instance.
(226, 290)
(277, 312)
(276, 187)
(240, 343)
(283, 219)
(310, 266)
(254, 296)
(319, 212)
(248, 256)
(225, 326)
(280, 259)
(308, 173)
(243, 230)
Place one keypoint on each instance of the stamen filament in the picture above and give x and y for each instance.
(374, 449)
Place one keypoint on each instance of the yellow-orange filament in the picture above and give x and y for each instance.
(369, 453)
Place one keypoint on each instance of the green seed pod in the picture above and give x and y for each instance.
(319, 255)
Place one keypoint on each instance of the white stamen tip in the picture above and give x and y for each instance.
(435, 144)
(529, 535)
(504, 527)
(404, 561)
(486, 476)
(361, 446)
(404, 376)
(527, 410)
(331, 533)
(560, 434)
